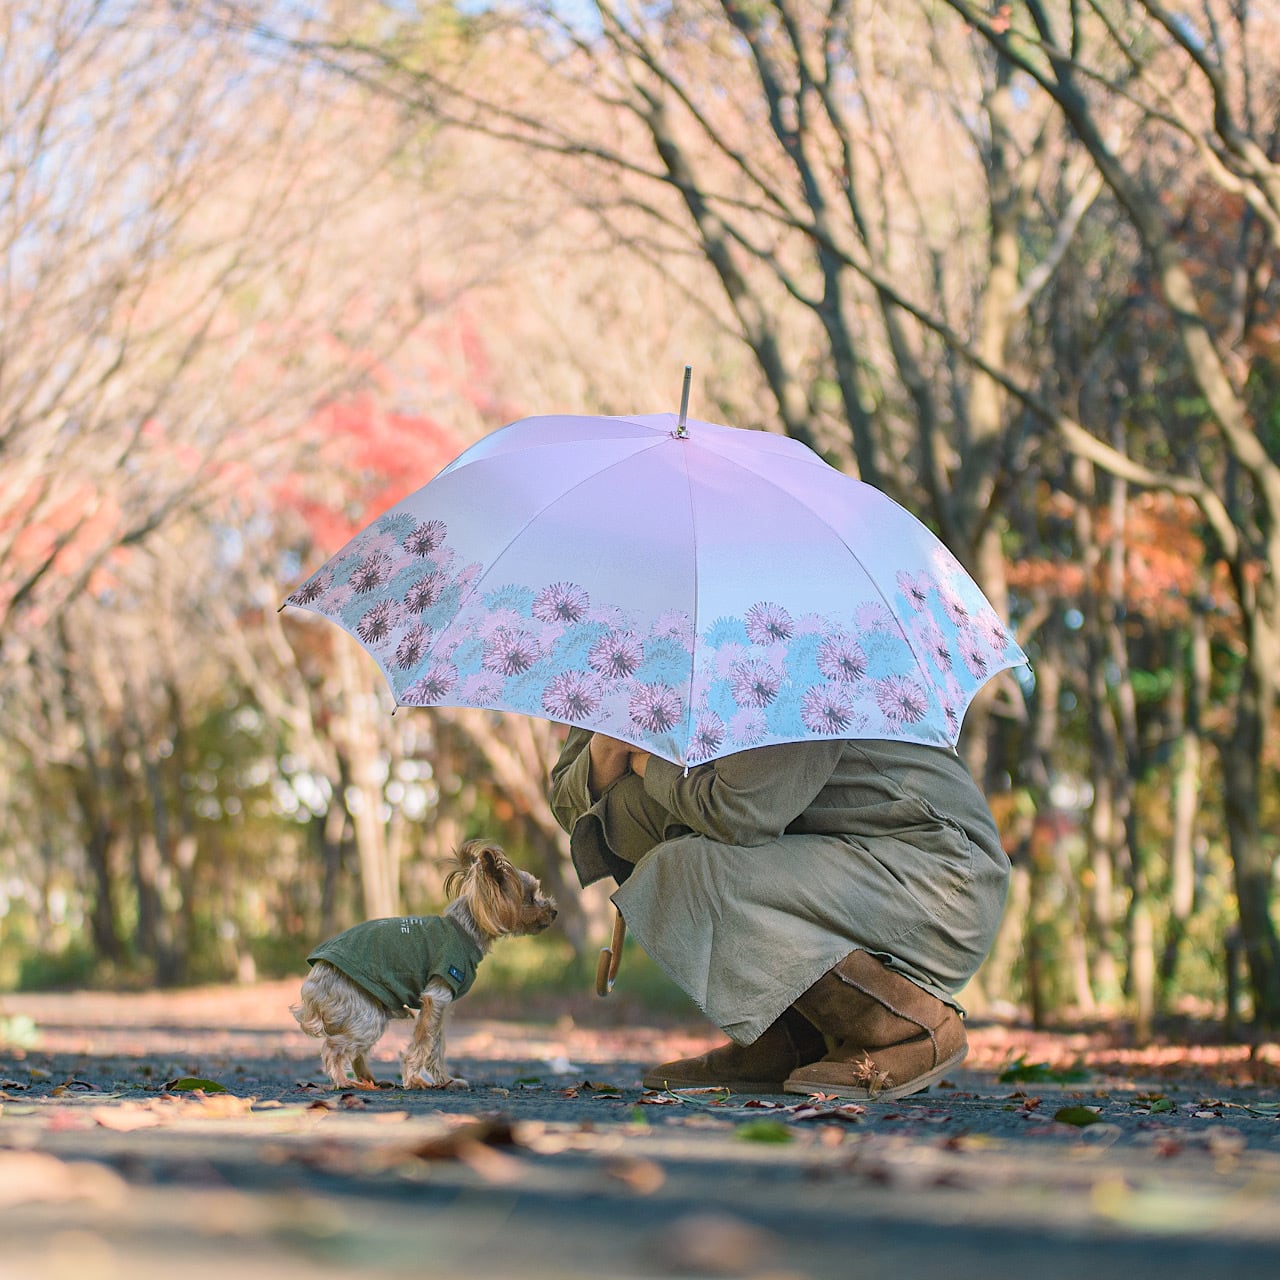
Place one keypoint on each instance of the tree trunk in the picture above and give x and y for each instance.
(1186, 729)
(379, 879)
(1242, 775)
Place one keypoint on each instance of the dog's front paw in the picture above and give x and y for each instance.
(419, 1081)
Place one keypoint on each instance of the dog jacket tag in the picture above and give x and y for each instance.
(455, 973)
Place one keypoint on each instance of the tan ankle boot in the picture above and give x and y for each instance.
(894, 1037)
(761, 1067)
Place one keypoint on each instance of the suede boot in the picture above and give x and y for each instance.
(761, 1067)
(894, 1037)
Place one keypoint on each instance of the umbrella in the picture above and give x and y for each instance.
(690, 588)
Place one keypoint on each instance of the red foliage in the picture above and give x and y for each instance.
(365, 459)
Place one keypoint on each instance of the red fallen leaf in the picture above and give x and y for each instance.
(352, 1102)
(657, 1100)
(568, 1093)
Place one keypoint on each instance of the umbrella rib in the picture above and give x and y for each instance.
(693, 622)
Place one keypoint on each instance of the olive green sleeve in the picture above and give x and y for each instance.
(747, 798)
(570, 788)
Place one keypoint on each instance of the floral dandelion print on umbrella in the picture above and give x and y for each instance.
(692, 594)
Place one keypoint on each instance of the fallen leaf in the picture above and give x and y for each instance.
(126, 1118)
(716, 1244)
(491, 1164)
(223, 1106)
(71, 1086)
(1078, 1116)
(34, 1177)
(765, 1129)
(1020, 1070)
(637, 1174)
(491, 1131)
(190, 1084)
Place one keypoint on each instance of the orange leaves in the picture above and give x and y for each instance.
(1164, 559)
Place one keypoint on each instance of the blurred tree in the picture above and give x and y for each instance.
(1195, 88)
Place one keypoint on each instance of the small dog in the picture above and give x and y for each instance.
(391, 968)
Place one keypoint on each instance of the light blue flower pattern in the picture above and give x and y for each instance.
(906, 667)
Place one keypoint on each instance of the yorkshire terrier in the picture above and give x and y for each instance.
(393, 968)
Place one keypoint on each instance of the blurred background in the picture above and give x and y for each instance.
(265, 268)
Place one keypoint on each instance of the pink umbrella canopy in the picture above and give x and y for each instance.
(693, 594)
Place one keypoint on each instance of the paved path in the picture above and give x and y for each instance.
(557, 1165)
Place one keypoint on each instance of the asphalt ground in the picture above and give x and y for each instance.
(1093, 1161)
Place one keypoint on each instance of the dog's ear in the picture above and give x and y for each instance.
(477, 858)
(493, 862)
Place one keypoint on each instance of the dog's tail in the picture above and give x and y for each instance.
(309, 1019)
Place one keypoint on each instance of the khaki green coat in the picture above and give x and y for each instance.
(755, 874)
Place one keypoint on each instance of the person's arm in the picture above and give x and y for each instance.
(747, 798)
(610, 760)
(589, 763)
(570, 779)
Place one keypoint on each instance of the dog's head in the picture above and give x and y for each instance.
(502, 898)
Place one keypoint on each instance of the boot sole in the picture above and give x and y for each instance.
(860, 1093)
(733, 1086)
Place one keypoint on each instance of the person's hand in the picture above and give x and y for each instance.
(639, 761)
(610, 759)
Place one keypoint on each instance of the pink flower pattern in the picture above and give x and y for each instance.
(616, 655)
(904, 662)
(572, 695)
(901, 700)
(434, 686)
(655, 708)
(841, 659)
(562, 602)
(769, 624)
(828, 710)
(412, 646)
(376, 625)
(754, 684)
(425, 592)
(426, 538)
(510, 652)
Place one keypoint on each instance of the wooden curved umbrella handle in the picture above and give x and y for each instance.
(610, 958)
